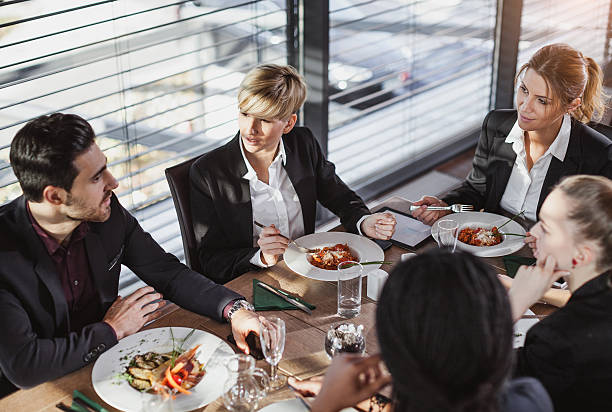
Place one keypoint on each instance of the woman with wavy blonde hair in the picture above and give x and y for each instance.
(523, 153)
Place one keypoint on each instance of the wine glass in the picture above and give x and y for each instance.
(447, 234)
(272, 337)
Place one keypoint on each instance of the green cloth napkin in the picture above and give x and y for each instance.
(266, 300)
(513, 263)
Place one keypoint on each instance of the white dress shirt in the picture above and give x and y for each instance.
(524, 186)
(275, 203)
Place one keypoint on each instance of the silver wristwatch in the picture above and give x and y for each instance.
(237, 305)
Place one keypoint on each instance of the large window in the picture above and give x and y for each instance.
(406, 78)
(157, 79)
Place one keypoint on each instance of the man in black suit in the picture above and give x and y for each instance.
(61, 249)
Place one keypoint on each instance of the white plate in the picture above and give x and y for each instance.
(118, 393)
(292, 405)
(521, 327)
(509, 245)
(365, 249)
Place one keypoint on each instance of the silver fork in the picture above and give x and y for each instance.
(300, 248)
(454, 208)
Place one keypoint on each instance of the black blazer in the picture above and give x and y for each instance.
(221, 201)
(589, 152)
(570, 351)
(36, 344)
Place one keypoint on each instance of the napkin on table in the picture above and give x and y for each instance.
(265, 300)
(513, 263)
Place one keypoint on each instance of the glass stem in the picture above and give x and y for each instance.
(273, 372)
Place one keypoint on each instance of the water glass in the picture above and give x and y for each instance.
(158, 403)
(447, 234)
(349, 289)
(272, 337)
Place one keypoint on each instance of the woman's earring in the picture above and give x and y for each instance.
(574, 263)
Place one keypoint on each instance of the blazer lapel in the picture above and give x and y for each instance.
(99, 266)
(242, 215)
(295, 173)
(557, 169)
(44, 268)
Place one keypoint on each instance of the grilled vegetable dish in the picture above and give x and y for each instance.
(157, 372)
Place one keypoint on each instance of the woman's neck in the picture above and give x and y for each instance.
(581, 275)
(546, 136)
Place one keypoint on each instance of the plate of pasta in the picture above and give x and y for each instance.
(331, 248)
(485, 234)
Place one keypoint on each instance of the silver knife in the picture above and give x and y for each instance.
(286, 298)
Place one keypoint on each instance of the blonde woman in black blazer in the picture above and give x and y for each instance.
(271, 171)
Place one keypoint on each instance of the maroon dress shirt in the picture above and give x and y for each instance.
(72, 265)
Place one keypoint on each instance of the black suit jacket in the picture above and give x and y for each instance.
(36, 344)
(570, 351)
(221, 201)
(588, 152)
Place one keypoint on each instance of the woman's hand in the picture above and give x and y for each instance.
(429, 216)
(531, 283)
(379, 226)
(272, 244)
(349, 380)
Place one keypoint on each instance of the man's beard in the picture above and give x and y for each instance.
(81, 212)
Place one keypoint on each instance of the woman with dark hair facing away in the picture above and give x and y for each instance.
(569, 351)
(444, 328)
(523, 153)
(271, 174)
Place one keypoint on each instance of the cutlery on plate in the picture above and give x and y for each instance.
(286, 297)
(457, 208)
(300, 248)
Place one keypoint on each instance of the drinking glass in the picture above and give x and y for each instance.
(272, 337)
(447, 234)
(349, 289)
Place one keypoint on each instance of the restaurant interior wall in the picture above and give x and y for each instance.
(395, 86)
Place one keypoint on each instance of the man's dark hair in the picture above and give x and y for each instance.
(43, 152)
(445, 332)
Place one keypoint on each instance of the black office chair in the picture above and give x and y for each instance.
(602, 128)
(178, 180)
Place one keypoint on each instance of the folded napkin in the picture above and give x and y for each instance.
(513, 263)
(266, 300)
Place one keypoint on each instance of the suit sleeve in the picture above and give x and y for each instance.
(548, 357)
(167, 275)
(472, 190)
(333, 193)
(220, 260)
(27, 359)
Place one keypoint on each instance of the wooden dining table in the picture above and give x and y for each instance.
(304, 354)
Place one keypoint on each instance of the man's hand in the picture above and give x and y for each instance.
(531, 283)
(379, 226)
(349, 380)
(272, 244)
(429, 216)
(244, 322)
(531, 242)
(127, 316)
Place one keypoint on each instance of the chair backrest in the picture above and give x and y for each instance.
(602, 128)
(178, 180)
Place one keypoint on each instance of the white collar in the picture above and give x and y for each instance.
(558, 148)
(251, 174)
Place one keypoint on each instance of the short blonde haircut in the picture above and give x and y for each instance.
(271, 91)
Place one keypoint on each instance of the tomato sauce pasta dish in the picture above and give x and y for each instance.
(480, 236)
(330, 257)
